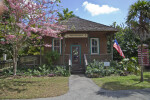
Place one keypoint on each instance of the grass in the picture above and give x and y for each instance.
(123, 82)
(32, 87)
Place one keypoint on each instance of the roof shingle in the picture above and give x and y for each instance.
(78, 24)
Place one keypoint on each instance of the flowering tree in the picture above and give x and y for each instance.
(27, 17)
(1, 7)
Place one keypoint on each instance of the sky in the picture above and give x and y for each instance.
(101, 11)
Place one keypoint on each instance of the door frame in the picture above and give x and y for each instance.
(79, 51)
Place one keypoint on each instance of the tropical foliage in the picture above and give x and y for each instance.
(65, 15)
(139, 20)
(43, 70)
(127, 40)
(122, 68)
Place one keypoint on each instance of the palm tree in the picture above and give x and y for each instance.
(65, 15)
(139, 20)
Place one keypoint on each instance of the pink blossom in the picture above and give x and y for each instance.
(48, 45)
(2, 42)
(10, 37)
(56, 18)
(40, 37)
(7, 42)
(61, 38)
(44, 1)
(51, 2)
(42, 21)
(50, 11)
(21, 25)
(29, 34)
(33, 29)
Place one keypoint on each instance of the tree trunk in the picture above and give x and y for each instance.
(15, 53)
(40, 53)
(141, 80)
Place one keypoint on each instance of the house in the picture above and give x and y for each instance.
(83, 41)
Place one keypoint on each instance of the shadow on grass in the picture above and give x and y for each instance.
(146, 78)
(122, 91)
(14, 86)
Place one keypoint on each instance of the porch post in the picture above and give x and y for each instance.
(89, 53)
(111, 51)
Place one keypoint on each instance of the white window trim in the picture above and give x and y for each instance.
(97, 39)
(57, 46)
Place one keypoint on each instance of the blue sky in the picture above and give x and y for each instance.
(100, 11)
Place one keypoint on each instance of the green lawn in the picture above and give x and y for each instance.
(123, 82)
(32, 87)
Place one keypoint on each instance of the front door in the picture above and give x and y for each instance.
(76, 54)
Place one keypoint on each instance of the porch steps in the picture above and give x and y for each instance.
(77, 69)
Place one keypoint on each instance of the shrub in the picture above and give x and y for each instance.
(36, 73)
(7, 72)
(61, 71)
(97, 69)
(43, 70)
(125, 67)
(131, 65)
(51, 57)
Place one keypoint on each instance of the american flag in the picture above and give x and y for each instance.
(117, 47)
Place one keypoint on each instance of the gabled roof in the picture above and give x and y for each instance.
(79, 24)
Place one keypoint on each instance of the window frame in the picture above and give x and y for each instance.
(56, 46)
(97, 39)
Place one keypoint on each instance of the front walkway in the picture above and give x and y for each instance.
(82, 88)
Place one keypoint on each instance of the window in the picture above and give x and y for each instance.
(57, 45)
(94, 45)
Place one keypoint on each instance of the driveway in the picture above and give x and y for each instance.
(82, 88)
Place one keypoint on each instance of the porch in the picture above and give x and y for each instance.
(66, 59)
(87, 58)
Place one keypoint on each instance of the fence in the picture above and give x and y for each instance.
(6, 63)
(34, 60)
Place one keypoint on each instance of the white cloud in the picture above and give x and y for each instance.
(53, 0)
(77, 9)
(95, 9)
